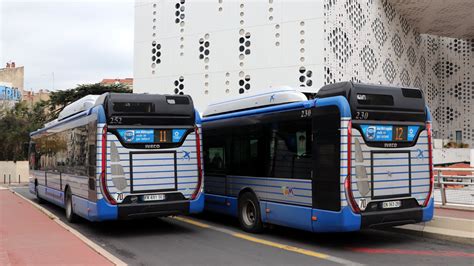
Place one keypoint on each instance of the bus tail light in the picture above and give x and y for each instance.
(103, 175)
(198, 152)
(430, 161)
(348, 181)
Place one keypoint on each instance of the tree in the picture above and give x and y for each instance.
(59, 99)
(17, 122)
(15, 125)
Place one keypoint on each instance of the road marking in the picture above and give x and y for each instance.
(193, 222)
(294, 249)
(76, 233)
(281, 246)
(413, 252)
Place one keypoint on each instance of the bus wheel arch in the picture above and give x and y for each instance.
(68, 205)
(249, 213)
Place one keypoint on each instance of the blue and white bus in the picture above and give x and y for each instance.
(120, 156)
(350, 157)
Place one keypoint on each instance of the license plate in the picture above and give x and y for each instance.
(391, 204)
(153, 197)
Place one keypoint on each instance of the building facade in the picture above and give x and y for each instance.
(128, 82)
(32, 97)
(217, 49)
(11, 85)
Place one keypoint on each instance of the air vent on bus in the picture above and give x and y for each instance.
(133, 107)
(177, 100)
(411, 93)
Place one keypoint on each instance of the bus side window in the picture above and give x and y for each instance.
(216, 159)
(291, 146)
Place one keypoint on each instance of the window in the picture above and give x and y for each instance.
(216, 160)
(71, 151)
(290, 147)
(458, 137)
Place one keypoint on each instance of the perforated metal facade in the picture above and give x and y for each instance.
(217, 49)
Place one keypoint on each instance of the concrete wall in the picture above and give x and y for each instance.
(14, 172)
(443, 156)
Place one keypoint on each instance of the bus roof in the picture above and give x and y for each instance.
(276, 96)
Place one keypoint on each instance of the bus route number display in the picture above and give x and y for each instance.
(389, 133)
(151, 135)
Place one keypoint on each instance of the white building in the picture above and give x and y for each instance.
(223, 48)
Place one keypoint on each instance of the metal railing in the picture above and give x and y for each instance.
(454, 188)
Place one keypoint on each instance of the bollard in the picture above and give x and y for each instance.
(19, 179)
(9, 179)
(4, 178)
(442, 190)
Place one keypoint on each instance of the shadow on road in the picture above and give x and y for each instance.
(344, 240)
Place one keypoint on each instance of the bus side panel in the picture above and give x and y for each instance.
(94, 211)
(289, 215)
(428, 211)
(331, 221)
(52, 195)
(221, 204)
(344, 161)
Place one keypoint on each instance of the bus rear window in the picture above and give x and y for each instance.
(133, 107)
(374, 99)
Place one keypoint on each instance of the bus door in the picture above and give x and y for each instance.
(327, 146)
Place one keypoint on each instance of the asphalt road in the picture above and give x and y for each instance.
(209, 239)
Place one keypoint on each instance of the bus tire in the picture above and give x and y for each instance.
(38, 198)
(68, 206)
(250, 217)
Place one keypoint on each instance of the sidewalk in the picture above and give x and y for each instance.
(27, 236)
(449, 224)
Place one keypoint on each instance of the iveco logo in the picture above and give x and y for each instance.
(152, 146)
(390, 145)
(361, 97)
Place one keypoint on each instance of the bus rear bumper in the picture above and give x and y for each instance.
(155, 209)
(397, 217)
(391, 218)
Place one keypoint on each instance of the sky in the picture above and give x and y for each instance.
(63, 43)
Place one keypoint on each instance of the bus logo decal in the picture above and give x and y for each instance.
(186, 155)
(420, 155)
(287, 191)
(129, 135)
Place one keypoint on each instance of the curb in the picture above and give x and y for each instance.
(433, 233)
(104, 253)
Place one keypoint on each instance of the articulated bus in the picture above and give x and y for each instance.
(352, 156)
(120, 156)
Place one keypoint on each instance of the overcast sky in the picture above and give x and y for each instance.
(79, 41)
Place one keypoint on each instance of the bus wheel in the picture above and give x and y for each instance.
(70, 215)
(250, 217)
(38, 198)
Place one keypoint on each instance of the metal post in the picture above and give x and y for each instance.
(9, 179)
(19, 179)
(442, 190)
(4, 178)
